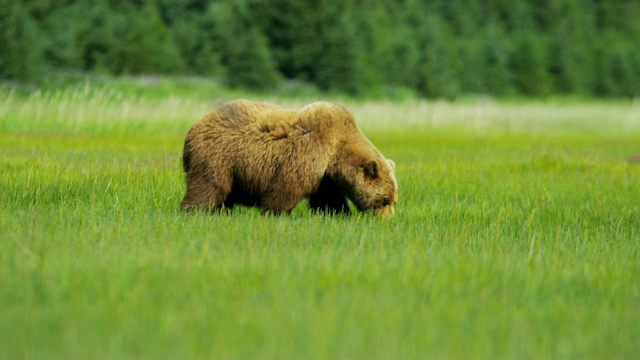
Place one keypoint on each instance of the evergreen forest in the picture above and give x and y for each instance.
(433, 48)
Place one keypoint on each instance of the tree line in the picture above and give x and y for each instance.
(435, 48)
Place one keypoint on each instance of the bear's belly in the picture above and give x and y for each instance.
(241, 197)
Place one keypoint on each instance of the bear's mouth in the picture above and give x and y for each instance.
(381, 208)
(387, 211)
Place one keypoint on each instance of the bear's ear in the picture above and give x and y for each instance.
(392, 164)
(371, 169)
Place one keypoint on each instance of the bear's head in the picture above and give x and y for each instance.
(370, 183)
(380, 190)
(361, 172)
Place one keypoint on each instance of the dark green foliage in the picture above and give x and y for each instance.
(530, 64)
(243, 45)
(293, 33)
(150, 44)
(437, 73)
(618, 66)
(21, 47)
(338, 67)
(435, 48)
(63, 48)
(571, 27)
(496, 51)
(192, 27)
(617, 50)
(132, 40)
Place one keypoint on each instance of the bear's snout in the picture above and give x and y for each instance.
(386, 211)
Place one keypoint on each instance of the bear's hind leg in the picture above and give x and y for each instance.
(204, 194)
(328, 199)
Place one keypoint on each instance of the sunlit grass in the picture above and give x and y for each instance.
(158, 105)
(516, 236)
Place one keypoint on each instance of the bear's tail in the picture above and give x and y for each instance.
(186, 155)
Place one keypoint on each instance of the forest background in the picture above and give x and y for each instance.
(437, 48)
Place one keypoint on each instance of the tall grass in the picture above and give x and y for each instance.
(516, 236)
(152, 105)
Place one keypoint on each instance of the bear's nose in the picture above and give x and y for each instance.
(387, 211)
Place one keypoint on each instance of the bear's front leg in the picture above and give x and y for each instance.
(329, 199)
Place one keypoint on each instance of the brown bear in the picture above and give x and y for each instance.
(258, 154)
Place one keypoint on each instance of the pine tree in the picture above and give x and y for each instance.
(387, 42)
(247, 58)
(437, 48)
(618, 75)
(250, 64)
(63, 47)
(22, 49)
(437, 75)
(338, 65)
(571, 29)
(617, 52)
(498, 79)
(466, 20)
(294, 33)
(148, 45)
(530, 65)
(192, 27)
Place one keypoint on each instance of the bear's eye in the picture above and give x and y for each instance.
(385, 202)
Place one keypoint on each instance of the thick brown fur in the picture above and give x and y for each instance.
(253, 153)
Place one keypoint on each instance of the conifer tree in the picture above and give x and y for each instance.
(338, 64)
(530, 64)
(22, 49)
(498, 79)
(294, 33)
(437, 74)
(149, 46)
(571, 28)
(436, 48)
(192, 26)
(247, 59)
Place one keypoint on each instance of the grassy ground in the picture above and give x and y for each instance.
(517, 236)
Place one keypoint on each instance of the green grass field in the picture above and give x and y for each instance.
(517, 235)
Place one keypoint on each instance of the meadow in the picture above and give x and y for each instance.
(517, 234)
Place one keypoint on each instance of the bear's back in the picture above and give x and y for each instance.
(244, 115)
(259, 116)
